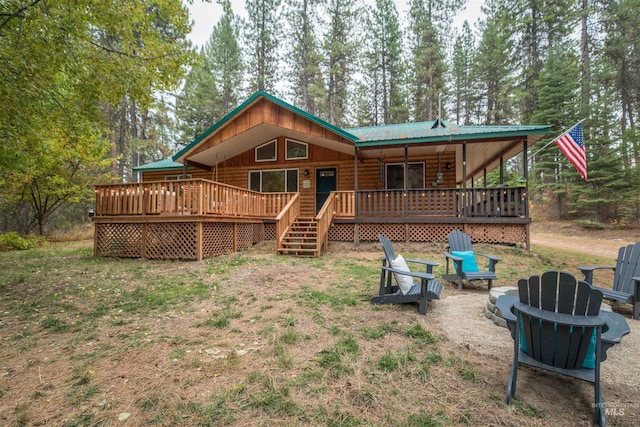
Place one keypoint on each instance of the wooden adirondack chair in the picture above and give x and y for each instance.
(626, 278)
(460, 244)
(426, 289)
(556, 325)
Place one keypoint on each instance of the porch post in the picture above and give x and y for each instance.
(501, 170)
(463, 205)
(525, 172)
(356, 197)
(406, 180)
(184, 170)
(355, 177)
(464, 165)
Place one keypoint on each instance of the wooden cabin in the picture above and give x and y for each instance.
(269, 170)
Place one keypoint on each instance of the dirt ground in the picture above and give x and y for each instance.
(488, 343)
(568, 236)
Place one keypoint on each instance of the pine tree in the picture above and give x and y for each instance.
(224, 55)
(384, 69)
(261, 34)
(538, 27)
(428, 21)
(493, 68)
(555, 177)
(463, 87)
(339, 48)
(305, 59)
(199, 105)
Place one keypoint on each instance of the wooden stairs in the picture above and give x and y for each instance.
(301, 239)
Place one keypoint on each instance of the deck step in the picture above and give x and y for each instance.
(301, 239)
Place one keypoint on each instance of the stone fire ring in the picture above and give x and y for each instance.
(493, 314)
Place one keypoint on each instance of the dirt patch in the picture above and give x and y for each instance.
(571, 237)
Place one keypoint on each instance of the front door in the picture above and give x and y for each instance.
(325, 184)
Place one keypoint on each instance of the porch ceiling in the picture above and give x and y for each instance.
(260, 134)
(481, 154)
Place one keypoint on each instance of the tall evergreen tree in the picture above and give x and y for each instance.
(493, 68)
(261, 34)
(340, 47)
(200, 104)
(305, 59)
(428, 20)
(224, 56)
(538, 25)
(462, 83)
(559, 92)
(384, 68)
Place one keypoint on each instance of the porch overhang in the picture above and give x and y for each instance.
(486, 146)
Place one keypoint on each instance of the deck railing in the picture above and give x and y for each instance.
(286, 217)
(187, 197)
(324, 219)
(203, 197)
(344, 204)
(453, 202)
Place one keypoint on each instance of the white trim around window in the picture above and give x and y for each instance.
(266, 148)
(274, 180)
(296, 148)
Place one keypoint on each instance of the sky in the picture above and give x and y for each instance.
(206, 15)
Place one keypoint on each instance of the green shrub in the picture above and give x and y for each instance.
(590, 225)
(13, 241)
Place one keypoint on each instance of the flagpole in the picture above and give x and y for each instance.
(556, 138)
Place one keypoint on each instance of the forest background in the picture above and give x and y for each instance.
(93, 88)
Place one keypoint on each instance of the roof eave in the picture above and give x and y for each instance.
(455, 138)
(246, 104)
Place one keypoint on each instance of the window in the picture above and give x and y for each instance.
(274, 181)
(174, 177)
(395, 175)
(267, 152)
(296, 150)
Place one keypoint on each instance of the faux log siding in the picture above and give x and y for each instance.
(235, 171)
(368, 171)
(318, 158)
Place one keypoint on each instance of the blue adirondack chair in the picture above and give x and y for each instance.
(557, 325)
(626, 278)
(461, 254)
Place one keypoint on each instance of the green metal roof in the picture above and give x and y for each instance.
(165, 164)
(247, 103)
(421, 132)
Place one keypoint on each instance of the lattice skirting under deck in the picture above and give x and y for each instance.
(179, 240)
(480, 233)
(174, 240)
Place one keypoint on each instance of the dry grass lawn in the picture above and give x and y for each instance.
(255, 339)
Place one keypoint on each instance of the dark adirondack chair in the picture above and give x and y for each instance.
(556, 325)
(461, 242)
(626, 278)
(427, 288)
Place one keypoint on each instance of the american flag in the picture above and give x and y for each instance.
(571, 143)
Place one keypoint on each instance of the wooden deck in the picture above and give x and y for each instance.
(196, 218)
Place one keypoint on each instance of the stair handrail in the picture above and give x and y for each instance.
(324, 218)
(285, 218)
